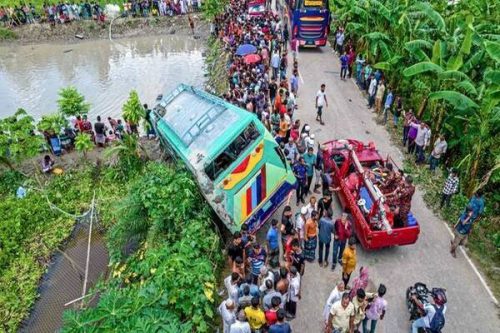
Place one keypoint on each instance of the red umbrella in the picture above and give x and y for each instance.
(252, 58)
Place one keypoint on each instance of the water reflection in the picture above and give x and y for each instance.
(104, 71)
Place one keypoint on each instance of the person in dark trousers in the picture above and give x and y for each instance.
(342, 234)
(326, 229)
(450, 188)
(300, 172)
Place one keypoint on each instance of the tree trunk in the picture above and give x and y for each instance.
(421, 108)
(472, 176)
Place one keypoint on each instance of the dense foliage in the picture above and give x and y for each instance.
(168, 284)
(443, 58)
(30, 232)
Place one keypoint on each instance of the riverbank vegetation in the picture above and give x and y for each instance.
(443, 59)
(167, 283)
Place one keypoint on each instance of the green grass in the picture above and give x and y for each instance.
(7, 34)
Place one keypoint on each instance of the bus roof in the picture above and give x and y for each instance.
(201, 123)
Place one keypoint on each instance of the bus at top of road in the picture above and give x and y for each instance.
(239, 167)
(309, 21)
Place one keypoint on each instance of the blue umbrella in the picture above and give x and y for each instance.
(246, 49)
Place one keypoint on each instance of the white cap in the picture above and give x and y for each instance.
(303, 210)
(312, 136)
(303, 135)
(307, 128)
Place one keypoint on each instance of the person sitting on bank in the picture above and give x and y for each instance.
(47, 164)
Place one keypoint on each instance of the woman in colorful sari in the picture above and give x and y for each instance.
(311, 237)
(361, 282)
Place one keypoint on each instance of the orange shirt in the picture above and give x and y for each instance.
(277, 102)
(311, 228)
(283, 128)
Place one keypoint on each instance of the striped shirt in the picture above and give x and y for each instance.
(451, 185)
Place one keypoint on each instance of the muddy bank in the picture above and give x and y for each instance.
(120, 28)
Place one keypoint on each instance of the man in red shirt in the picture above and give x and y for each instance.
(343, 230)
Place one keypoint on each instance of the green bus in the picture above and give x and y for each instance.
(238, 165)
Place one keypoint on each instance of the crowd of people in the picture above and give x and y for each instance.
(64, 11)
(264, 287)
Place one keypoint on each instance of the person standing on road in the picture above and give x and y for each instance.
(311, 237)
(326, 229)
(349, 261)
(325, 205)
(361, 282)
(241, 325)
(440, 147)
(275, 64)
(462, 230)
(376, 311)
(344, 63)
(321, 102)
(342, 234)
(450, 187)
(300, 172)
(257, 259)
(388, 103)
(351, 57)
(273, 244)
(379, 96)
(227, 312)
(372, 89)
(293, 292)
(286, 226)
(255, 315)
(341, 318)
(360, 62)
(408, 118)
(280, 326)
(294, 82)
(477, 204)
(421, 140)
(310, 159)
(339, 38)
(335, 296)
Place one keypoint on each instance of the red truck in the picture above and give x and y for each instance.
(352, 166)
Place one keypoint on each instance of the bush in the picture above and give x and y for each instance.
(168, 284)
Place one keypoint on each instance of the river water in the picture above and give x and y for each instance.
(103, 71)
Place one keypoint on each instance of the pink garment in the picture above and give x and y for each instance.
(361, 282)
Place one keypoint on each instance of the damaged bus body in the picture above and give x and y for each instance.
(239, 168)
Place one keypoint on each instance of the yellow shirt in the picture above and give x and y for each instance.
(359, 309)
(255, 317)
(349, 260)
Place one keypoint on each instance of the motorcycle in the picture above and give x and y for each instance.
(422, 293)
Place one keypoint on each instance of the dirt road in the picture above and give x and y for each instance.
(470, 309)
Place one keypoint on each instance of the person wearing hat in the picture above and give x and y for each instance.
(450, 188)
(227, 311)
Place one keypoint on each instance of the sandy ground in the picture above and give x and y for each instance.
(470, 308)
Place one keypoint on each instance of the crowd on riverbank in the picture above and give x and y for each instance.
(65, 12)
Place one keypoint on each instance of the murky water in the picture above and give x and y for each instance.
(103, 71)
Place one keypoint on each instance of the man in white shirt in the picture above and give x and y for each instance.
(372, 89)
(293, 292)
(275, 64)
(231, 284)
(241, 325)
(422, 140)
(227, 311)
(341, 317)
(300, 224)
(440, 147)
(321, 102)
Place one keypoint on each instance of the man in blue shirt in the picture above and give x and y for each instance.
(257, 259)
(477, 205)
(326, 229)
(273, 244)
(344, 60)
(300, 172)
(310, 159)
(462, 230)
(389, 99)
(294, 82)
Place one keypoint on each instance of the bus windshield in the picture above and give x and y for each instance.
(311, 4)
(232, 152)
